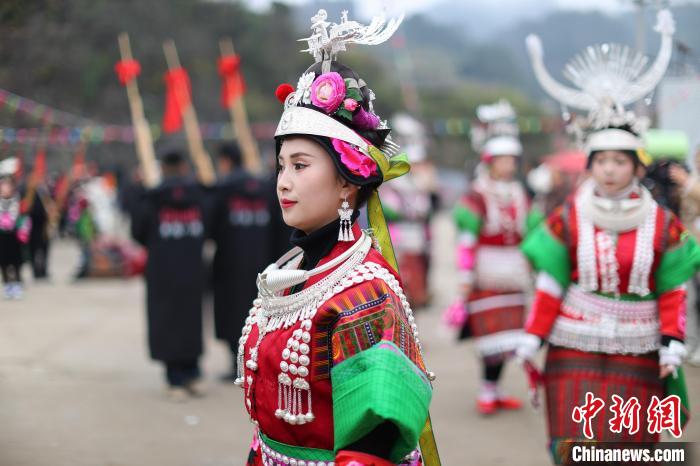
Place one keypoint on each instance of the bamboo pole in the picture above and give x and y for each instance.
(142, 130)
(239, 119)
(200, 158)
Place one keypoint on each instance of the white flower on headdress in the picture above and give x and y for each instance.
(303, 91)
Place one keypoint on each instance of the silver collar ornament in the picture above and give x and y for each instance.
(273, 310)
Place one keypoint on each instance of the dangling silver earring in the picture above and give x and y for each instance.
(345, 212)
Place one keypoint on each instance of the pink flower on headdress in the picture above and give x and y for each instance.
(354, 160)
(350, 104)
(328, 91)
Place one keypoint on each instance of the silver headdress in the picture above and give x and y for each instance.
(497, 130)
(9, 166)
(609, 77)
(327, 40)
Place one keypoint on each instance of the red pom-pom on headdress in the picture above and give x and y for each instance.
(282, 91)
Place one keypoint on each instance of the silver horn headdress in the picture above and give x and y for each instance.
(608, 78)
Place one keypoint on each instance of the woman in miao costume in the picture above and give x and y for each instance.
(330, 359)
(610, 299)
(15, 228)
(493, 274)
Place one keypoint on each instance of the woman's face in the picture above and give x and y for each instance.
(6, 189)
(612, 171)
(309, 189)
(503, 167)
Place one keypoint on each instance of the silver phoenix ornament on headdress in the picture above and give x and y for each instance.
(330, 38)
(609, 77)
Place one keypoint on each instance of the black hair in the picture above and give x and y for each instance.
(232, 152)
(170, 154)
(172, 159)
(658, 180)
(363, 195)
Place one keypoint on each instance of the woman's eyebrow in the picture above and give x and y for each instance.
(296, 155)
(300, 154)
(293, 156)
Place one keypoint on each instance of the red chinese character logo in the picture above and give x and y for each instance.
(665, 415)
(587, 412)
(625, 414)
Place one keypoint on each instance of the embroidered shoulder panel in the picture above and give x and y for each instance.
(359, 318)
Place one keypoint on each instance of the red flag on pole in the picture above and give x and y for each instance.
(233, 85)
(39, 171)
(33, 180)
(177, 98)
(127, 70)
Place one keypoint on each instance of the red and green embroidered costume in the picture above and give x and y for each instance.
(15, 227)
(609, 294)
(491, 221)
(324, 366)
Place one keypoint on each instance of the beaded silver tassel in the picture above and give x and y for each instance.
(293, 390)
(345, 212)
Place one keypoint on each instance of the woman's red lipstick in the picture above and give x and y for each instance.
(286, 203)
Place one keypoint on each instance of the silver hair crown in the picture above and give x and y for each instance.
(608, 78)
(324, 44)
(497, 119)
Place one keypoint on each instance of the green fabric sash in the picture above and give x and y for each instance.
(390, 169)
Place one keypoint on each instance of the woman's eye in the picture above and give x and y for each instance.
(299, 166)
